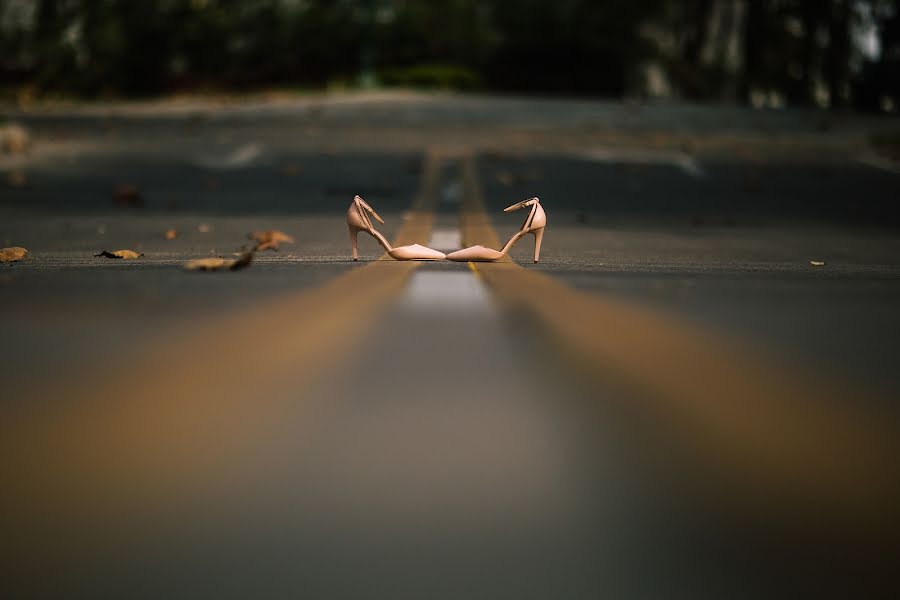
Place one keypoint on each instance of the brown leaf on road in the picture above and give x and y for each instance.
(127, 195)
(14, 138)
(13, 254)
(171, 234)
(207, 264)
(219, 264)
(270, 240)
(123, 254)
(242, 261)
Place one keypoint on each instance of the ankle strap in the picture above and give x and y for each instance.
(362, 208)
(522, 204)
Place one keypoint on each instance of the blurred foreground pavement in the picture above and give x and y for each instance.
(676, 402)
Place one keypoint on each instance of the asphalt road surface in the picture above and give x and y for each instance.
(675, 402)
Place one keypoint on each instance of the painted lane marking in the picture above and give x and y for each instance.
(882, 164)
(452, 193)
(680, 160)
(240, 157)
(447, 292)
(445, 240)
(156, 427)
(778, 438)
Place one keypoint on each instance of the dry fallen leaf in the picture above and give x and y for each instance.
(207, 264)
(13, 254)
(171, 234)
(14, 138)
(817, 263)
(270, 240)
(123, 254)
(219, 264)
(127, 195)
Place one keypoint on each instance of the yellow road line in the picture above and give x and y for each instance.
(760, 429)
(475, 224)
(418, 221)
(182, 408)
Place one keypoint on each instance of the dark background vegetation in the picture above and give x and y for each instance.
(782, 52)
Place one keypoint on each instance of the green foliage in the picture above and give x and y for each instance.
(568, 45)
(98, 47)
(456, 32)
(432, 76)
(127, 47)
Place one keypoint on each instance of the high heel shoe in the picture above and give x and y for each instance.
(358, 220)
(534, 224)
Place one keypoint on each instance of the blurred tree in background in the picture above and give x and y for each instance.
(764, 52)
(568, 45)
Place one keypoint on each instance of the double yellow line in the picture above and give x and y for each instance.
(774, 437)
(182, 409)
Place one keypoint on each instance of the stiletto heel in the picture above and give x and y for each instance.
(354, 232)
(534, 223)
(538, 238)
(358, 220)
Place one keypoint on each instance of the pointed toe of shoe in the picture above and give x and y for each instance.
(475, 254)
(416, 252)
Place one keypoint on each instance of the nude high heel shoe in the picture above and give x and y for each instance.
(358, 220)
(534, 224)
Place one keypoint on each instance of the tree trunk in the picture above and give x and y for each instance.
(837, 57)
(754, 41)
(699, 29)
(811, 21)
